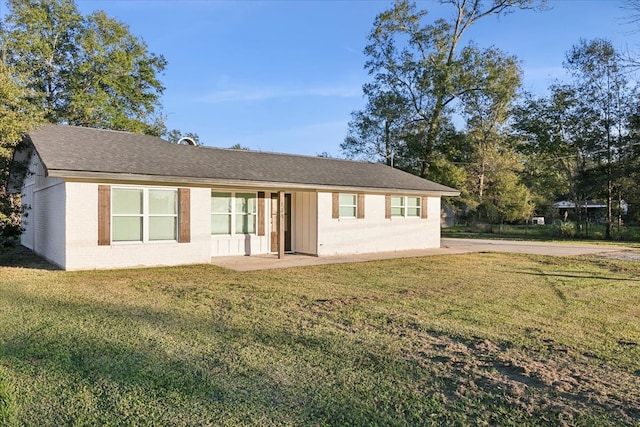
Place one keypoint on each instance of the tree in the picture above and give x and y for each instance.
(423, 65)
(378, 132)
(550, 134)
(174, 136)
(86, 71)
(17, 116)
(487, 112)
(607, 100)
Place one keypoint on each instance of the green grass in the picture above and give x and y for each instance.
(478, 339)
(595, 233)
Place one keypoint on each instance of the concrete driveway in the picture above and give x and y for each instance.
(526, 247)
(447, 247)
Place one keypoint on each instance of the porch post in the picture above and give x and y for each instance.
(281, 224)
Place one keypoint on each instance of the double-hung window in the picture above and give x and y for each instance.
(163, 214)
(142, 214)
(221, 213)
(406, 207)
(348, 205)
(245, 213)
(233, 213)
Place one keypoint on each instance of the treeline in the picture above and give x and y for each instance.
(518, 152)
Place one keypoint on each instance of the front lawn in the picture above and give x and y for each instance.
(478, 339)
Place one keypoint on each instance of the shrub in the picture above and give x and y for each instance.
(566, 229)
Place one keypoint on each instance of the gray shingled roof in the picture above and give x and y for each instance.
(67, 151)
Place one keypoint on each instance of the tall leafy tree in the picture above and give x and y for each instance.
(17, 116)
(607, 100)
(487, 112)
(425, 64)
(378, 132)
(87, 71)
(551, 134)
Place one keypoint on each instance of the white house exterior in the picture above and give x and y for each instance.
(97, 199)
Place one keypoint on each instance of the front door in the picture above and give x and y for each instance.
(274, 222)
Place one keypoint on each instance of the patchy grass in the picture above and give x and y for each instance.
(479, 339)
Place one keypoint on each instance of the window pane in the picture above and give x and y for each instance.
(245, 203)
(127, 228)
(220, 224)
(347, 199)
(347, 212)
(127, 201)
(162, 228)
(397, 201)
(413, 201)
(163, 202)
(413, 211)
(221, 202)
(397, 211)
(245, 224)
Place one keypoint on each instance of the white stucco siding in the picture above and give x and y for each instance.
(375, 233)
(304, 222)
(83, 251)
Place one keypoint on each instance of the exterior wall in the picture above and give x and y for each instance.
(304, 222)
(48, 210)
(375, 233)
(43, 216)
(240, 244)
(83, 251)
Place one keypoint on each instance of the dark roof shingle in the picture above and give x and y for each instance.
(68, 149)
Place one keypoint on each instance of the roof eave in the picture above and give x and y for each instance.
(89, 176)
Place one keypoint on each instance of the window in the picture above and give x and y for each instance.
(127, 215)
(221, 213)
(245, 213)
(348, 205)
(397, 206)
(406, 207)
(233, 213)
(140, 215)
(163, 214)
(413, 207)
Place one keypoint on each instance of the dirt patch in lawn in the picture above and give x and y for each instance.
(556, 381)
(622, 255)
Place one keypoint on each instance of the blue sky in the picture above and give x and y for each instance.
(284, 76)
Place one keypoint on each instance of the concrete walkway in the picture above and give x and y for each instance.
(447, 247)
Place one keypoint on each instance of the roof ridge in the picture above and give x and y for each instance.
(279, 153)
(103, 130)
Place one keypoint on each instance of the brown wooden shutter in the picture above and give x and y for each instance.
(387, 206)
(360, 207)
(184, 216)
(104, 215)
(424, 213)
(335, 205)
(261, 227)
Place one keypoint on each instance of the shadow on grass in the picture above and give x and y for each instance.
(22, 257)
(117, 360)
